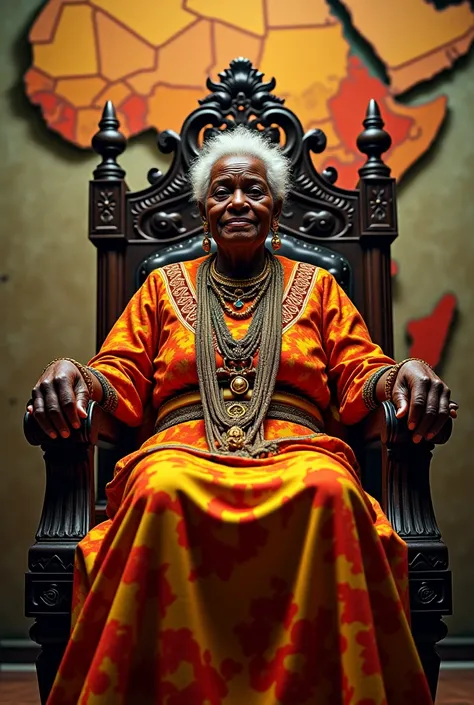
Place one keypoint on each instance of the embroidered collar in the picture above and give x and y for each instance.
(182, 293)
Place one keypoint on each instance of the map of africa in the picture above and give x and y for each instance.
(152, 59)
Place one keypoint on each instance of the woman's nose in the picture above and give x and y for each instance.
(238, 199)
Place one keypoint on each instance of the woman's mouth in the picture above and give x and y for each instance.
(238, 223)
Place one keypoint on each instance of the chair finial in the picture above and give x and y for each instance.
(109, 143)
(373, 141)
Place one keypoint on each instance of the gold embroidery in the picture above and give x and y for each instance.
(296, 298)
(182, 295)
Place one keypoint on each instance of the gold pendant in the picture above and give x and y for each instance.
(236, 410)
(239, 385)
(235, 438)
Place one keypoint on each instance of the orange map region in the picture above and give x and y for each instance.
(414, 39)
(152, 59)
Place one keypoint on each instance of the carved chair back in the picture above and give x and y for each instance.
(348, 232)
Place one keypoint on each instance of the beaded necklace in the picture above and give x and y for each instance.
(242, 433)
(237, 291)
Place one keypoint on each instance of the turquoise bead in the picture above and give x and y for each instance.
(238, 304)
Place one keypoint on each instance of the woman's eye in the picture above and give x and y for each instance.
(221, 193)
(255, 192)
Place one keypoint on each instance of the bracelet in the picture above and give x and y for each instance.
(370, 385)
(109, 395)
(392, 375)
(82, 369)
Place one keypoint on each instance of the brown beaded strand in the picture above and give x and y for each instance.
(370, 385)
(243, 436)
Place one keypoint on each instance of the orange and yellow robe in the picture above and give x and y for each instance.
(233, 581)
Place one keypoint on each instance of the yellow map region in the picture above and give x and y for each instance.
(152, 59)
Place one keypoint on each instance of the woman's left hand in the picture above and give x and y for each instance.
(419, 393)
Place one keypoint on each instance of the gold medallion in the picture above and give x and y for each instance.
(235, 438)
(239, 385)
(236, 410)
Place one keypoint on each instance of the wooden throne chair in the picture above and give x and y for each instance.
(348, 232)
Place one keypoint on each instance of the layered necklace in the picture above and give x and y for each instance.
(237, 428)
(237, 291)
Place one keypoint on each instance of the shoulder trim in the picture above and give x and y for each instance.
(182, 294)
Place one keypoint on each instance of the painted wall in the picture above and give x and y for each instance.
(47, 292)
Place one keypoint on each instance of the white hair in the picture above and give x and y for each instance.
(242, 141)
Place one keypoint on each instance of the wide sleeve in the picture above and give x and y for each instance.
(127, 354)
(352, 357)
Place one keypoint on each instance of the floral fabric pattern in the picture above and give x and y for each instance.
(224, 580)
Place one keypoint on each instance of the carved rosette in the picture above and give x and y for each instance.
(106, 205)
(431, 594)
(378, 207)
(107, 209)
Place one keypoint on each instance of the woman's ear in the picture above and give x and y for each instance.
(202, 210)
(278, 205)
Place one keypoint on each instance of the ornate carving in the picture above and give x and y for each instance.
(51, 597)
(51, 563)
(48, 596)
(428, 561)
(378, 202)
(432, 594)
(318, 223)
(241, 97)
(178, 185)
(241, 91)
(106, 205)
(307, 186)
(426, 595)
(330, 174)
(66, 511)
(163, 225)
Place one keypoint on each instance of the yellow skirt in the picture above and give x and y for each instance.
(255, 582)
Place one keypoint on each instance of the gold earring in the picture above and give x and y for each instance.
(206, 243)
(276, 242)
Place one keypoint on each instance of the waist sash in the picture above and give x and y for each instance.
(284, 406)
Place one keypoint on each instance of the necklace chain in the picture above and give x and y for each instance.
(237, 291)
(225, 433)
(223, 280)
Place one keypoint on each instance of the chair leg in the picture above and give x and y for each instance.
(428, 630)
(51, 633)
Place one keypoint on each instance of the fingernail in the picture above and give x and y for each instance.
(53, 435)
(411, 426)
(76, 424)
(430, 435)
(64, 434)
(416, 438)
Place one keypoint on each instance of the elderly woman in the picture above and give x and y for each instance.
(242, 562)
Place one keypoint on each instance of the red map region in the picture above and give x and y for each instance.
(429, 334)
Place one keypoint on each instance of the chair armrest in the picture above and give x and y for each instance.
(383, 423)
(404, 469)
(99, 428)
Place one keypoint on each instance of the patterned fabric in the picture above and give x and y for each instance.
(274, 581)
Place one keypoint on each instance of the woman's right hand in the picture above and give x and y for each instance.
(59, 399)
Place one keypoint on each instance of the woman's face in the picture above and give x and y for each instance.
(239, 205)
